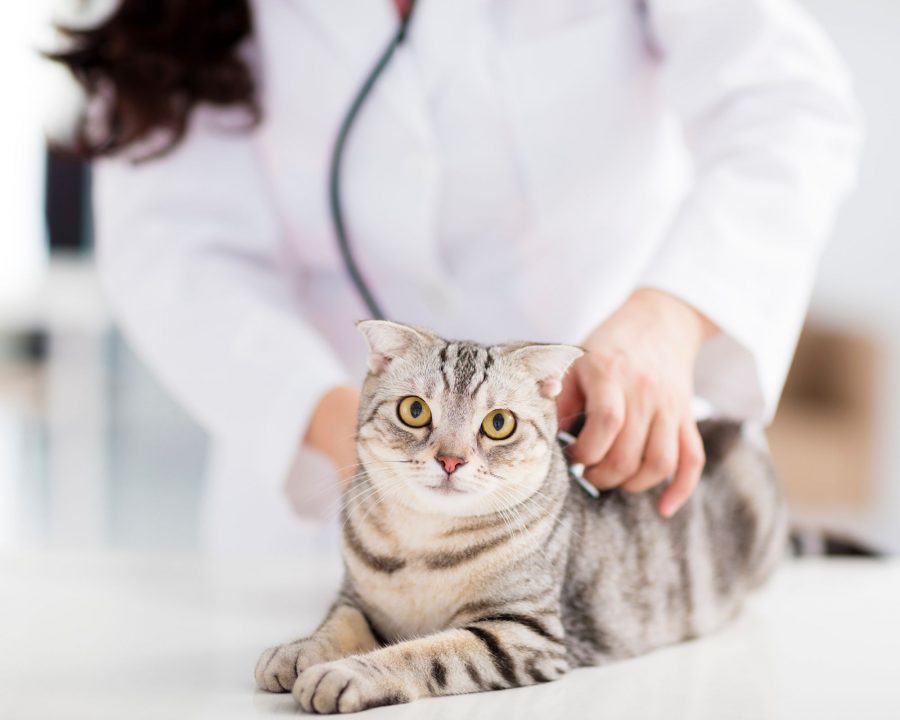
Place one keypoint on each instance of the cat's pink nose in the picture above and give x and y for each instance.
(449, 463)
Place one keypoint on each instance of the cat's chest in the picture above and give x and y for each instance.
(414, 602)
(414, 577)
(413, 597)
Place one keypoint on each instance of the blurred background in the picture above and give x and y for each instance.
(94, 453)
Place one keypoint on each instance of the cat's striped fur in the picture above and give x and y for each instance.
(519, 576)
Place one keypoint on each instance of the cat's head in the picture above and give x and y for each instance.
(457, 428)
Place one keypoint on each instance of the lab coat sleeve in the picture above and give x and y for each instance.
(192, 259)
(768, 115)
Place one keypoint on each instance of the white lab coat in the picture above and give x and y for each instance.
(519, 169)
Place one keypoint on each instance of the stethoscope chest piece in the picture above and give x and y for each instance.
(576, 470)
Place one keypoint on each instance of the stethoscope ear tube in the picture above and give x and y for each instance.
(337, 156)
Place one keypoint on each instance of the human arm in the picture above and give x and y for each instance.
(773, 131)
(194, 263)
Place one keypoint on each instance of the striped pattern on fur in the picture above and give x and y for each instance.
(505, 573)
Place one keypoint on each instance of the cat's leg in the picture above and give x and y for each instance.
(345, 631)
(506, 651)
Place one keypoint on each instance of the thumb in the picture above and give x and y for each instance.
(569, 402)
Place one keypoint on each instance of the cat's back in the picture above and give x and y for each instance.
(636, 581)
(743, 508)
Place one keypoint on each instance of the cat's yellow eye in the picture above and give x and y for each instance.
(414, 411)
(498, 424)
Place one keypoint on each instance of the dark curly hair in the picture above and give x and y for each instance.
(149, 64)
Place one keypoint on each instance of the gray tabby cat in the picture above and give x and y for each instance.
(474, 563)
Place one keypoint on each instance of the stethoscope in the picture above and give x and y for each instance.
(337, 215)
(337, 157)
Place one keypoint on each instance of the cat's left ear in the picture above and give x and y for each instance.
(547, 364)
(389, 340)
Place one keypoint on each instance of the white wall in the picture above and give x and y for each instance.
(22, 245)
(859, 281)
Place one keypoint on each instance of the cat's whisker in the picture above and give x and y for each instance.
(325, 484)
(373, 490)
(375, 498)
(512, 515)
(539, 493)
(356, 495)
(359, 505)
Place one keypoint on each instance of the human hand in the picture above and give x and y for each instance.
(332, 429)
(635, 387)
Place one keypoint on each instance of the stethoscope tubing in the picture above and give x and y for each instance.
(334, 185)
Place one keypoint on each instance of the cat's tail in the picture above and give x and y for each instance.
(807, 542)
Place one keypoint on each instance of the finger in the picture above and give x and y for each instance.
(660, 456)
(605, 415)
(569, 402)
(625, 456)
(691, 460)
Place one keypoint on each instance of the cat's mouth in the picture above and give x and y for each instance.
(446, 487)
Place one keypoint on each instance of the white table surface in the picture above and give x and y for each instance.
(129, 636)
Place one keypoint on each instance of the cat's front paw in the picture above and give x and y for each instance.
(345, 686)
(278, 667)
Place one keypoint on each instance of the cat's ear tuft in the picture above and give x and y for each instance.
(389, 340)
(547, 364)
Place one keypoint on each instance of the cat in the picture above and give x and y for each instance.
(473, 562)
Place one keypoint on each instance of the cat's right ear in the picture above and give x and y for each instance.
(389, 340)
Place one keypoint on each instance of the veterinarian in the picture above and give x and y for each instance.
(652, 180)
